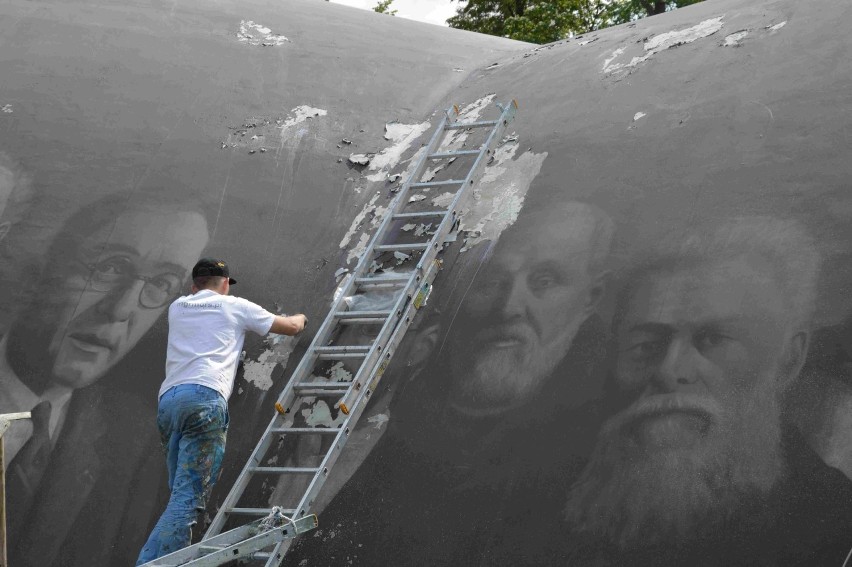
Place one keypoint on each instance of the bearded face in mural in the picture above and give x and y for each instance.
(526, 306)
(708, 338)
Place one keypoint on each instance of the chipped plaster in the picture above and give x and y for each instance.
(402, 136)
(499, 195)
(256, 34)
(259, 372)
(662, 42)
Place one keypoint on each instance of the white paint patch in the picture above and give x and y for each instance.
(379, 419)
(638, 115)
(360, 159)
(259, 372)
(735, 39)
(407, 227)
(402, 136)
(359, 248)
(256, 34)
(338, 373)
(444, 200)
(612, 58)
(416, 198)
(777, 27)
(664, 41)
(319, 414)
(359, 220)
(500, 194)
(301, 114)
(7, 109)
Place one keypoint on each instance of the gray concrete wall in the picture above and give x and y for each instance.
(636, 352)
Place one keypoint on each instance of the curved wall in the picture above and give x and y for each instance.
(636, 352)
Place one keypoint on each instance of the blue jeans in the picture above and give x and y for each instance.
(193, 423)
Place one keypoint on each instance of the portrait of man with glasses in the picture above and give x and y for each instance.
(106, 278)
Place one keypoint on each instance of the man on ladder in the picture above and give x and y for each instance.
(206, 334)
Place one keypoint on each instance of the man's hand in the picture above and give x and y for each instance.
(290, 325)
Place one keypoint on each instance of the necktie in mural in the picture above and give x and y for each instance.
(27, 468)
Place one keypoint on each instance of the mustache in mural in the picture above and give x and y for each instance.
(630, 497)
(508, 366)
(703, 408)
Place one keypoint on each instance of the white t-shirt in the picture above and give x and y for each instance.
(206, 335)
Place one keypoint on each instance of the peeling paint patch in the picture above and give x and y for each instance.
(379, 419)
(338, 373)
(358, 221)
(256, 34)
(359, 248)
(638, 115)
(777, 27)
(500, 194)
(402, 136)
(258, 133)
(299, 115)
(416, 198)
(735, 39)
(444, 200)
(360, 159)
(662, 42)
(319, 414)
(613, 56)
(7, 109)
(407, 227)
(259, 372)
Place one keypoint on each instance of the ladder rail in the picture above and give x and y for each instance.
(439, 236)
(358, 407)
(376, 358)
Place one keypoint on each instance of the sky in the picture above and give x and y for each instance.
(429, 11)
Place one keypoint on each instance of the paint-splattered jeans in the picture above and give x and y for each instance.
(193, 422)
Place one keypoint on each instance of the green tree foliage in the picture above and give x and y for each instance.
(383, 7)
(543, 21)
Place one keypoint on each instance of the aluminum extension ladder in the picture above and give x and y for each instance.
(265, 541)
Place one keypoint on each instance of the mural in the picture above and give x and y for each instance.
(638, 348)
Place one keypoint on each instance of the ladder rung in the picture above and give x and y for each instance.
(460, 125)
(419, 215)
(442, 155)
(401, 247)
(382, 281)
(318, 430)
(285, 470)
(345, 351)
(342, 356)
(363, 314)
(330, 386)
(436, 183)
(365, 321)
(257, 512)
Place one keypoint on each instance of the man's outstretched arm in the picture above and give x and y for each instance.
(290, 325)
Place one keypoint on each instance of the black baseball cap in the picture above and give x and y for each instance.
(212, 267)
